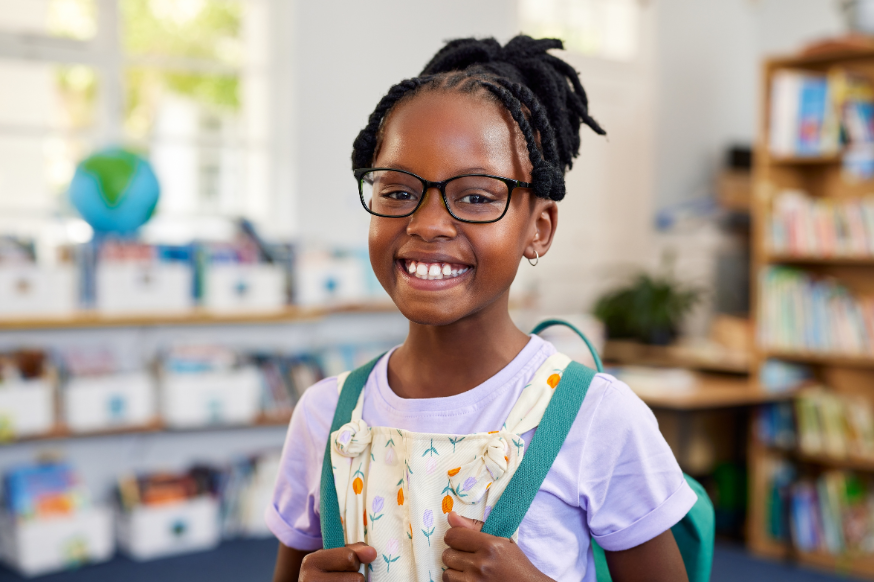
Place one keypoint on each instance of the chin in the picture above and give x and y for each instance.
(430, 314)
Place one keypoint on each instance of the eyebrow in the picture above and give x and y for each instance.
(474, 170)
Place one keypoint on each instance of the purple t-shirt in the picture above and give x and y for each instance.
(615, 477)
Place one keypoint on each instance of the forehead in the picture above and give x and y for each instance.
(441, 134)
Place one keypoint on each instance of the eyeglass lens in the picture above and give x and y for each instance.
(473, 198)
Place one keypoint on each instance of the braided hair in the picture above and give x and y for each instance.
(542, 93)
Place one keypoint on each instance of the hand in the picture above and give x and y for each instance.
(473, 556)
(337, 565)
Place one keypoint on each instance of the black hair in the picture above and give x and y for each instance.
(542, 93)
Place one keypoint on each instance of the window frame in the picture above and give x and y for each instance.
(105, 53)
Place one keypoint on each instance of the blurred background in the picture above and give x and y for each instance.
(183, 252)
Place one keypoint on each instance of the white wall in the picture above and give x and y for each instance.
(708, 56)
(347, 55)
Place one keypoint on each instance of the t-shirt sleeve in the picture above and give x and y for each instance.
(630, 483)
(293, 514)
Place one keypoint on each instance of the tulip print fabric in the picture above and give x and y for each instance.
(395, 487)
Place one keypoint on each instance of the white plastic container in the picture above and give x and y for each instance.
(213, 398)
(321, 279)
(34, 291)
(108, 402)
(150, 532)
(230, 288)
(130, 288)
(26, 409)
(40, 546)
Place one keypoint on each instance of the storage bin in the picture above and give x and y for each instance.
(321, 279)
(240, 288)
(34, 291)
(149, 532)
(93, 404)
(144, 288)
(200, 399)
(26, 409)
(42, 545)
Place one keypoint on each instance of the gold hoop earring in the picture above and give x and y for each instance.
(536, 259)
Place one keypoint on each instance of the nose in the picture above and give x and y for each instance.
(432, 220)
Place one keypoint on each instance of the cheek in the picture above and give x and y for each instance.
(383, 232)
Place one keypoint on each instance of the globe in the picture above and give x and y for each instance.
(115, 191)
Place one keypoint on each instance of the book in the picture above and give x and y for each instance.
(800, 312)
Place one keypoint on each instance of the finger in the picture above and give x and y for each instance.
(454, 576)
(333, 560)
(457, 560)
(465, 540)
(366, 554)
(456, 520)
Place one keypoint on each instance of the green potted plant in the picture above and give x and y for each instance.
(650, 308)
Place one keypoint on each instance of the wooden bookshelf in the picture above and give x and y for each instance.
(820, 177)
(194, 317)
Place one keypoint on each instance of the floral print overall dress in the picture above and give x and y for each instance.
(394, 487)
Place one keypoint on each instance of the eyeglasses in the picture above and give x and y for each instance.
(476, 198)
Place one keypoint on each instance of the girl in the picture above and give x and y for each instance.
(460, 169)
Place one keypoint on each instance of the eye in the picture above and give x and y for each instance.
(476, 199)
(400, 195)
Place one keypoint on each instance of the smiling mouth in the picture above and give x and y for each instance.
(433, 271)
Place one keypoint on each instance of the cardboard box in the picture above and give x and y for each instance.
(39, 546)
(234, 288)
(33, 291)
(150, 532)
(144, 288)
(26, 409)
(107, 402)
(212, 398)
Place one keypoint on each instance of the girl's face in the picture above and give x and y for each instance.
(439, 135)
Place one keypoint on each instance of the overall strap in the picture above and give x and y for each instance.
(329, 507)
(507, 514)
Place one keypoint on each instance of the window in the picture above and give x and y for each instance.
(603, 28)
(183, 81)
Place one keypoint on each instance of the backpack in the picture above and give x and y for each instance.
(694, 533)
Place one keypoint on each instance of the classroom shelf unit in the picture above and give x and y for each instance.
(821, 177)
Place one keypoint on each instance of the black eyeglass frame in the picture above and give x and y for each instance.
(441, 186)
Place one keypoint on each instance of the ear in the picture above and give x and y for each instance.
(542, 229)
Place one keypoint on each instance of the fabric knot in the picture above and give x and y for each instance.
(352, 438)
(470, 481)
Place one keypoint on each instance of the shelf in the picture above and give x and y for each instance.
(851, 462)
(822, 358)
(711, 391)
(860, 261)
(675, 356)
(62, 433)
(196, 317)
(804, 160)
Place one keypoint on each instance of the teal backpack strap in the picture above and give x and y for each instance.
(550, 322)
(329, 507)
(560, 414)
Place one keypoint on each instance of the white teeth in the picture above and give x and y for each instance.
(434, 271)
